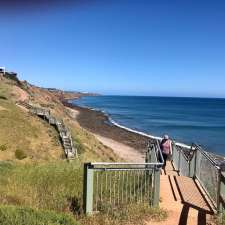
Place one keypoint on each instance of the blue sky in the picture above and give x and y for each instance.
(171, 48)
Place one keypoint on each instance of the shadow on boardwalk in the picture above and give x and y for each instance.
(184, 201)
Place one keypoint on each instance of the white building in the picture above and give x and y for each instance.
(2, 70)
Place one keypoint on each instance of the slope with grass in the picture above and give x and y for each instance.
(23, 136)
(36, 185)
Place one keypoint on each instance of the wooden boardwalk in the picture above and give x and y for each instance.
(183, 200)
(65, 135)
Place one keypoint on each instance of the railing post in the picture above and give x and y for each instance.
(179, 161)
(156, 188)
(88, 188)
(195, 164)
(218, 190)
(192, 163)
(222, 194)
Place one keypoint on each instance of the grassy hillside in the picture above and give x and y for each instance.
(22, 132)
(38, 187)
(32, 137)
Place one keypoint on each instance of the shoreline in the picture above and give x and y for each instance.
(101, 125)
(98, 123)
(108, 119)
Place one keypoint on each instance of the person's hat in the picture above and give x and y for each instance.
(166, 137)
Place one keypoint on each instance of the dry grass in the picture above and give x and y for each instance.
(48, 186)
(132, 215)
(11, 215)
(43, 181)
(22, 131)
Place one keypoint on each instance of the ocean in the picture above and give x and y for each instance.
(186, 120)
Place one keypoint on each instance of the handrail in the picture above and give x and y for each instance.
(199, 148)
(157, 152)
(184, 155)
(123, 163)
(98, 174)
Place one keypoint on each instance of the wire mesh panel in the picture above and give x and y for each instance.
(207, 175)
(175, 157)
(116, 188)
(184, 165)
(109, 186)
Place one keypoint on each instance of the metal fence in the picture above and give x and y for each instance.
(196, 163)
(222, 198)
(207, 173)
(108, 186)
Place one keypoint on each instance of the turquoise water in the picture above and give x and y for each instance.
(187, 120)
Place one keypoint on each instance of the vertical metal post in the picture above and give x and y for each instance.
(156, 188)
(218, 190)
(179, 161)
(192, 165)
(88, 188)
(195, 169)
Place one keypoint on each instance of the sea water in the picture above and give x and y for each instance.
(186, 120)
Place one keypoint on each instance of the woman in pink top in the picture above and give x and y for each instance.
(166, 148)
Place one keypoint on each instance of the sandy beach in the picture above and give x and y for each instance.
(126, 144)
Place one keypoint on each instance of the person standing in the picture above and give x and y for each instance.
(166, 148)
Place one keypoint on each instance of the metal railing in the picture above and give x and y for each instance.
(108, 186)
(196, 163)
(222, 198)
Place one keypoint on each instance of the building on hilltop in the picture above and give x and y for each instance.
(2, 70)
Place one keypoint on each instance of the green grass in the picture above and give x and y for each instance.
(47, 191)
(49, 186)
(11, 215)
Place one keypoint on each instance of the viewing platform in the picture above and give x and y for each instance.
(191, 187)
(183, 199)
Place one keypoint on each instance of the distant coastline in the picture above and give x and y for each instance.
(88, 118)
(101, 123)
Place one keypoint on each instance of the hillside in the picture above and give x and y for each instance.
(30, 134)
(37, 185)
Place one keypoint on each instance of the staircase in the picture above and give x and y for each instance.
(66, 138)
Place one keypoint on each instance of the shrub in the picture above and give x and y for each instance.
(20, 154)
(3, 148)
(3, 97)
(11, 215)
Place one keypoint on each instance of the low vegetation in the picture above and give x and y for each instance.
(20, 154)
(49, 186)
(12, 215)
(22, 134)
(131, 215)
(39, 187)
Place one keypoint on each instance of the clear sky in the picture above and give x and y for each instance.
(171, 48)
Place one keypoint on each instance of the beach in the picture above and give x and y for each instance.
(126, 144)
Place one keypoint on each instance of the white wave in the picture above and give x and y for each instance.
(144, 134)
(132, 130)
